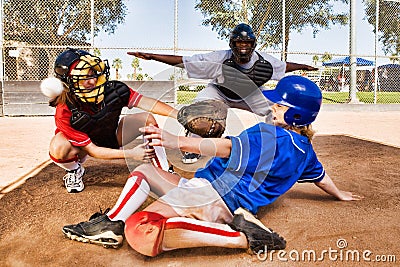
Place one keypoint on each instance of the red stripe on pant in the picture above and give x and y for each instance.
(200, 228)
(156, 160)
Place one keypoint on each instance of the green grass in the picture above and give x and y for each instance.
(186, 97)
(365, 97)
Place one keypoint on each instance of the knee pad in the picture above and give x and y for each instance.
(144, 232)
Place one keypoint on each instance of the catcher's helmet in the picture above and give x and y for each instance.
(74, 67)
(301, 95)
(244, 33)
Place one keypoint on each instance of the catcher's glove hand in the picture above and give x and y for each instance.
(205, 118)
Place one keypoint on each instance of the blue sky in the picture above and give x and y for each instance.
(149, 27)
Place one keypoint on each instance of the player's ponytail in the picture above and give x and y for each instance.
(306, 130)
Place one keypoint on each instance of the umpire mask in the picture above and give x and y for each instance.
(242, 33)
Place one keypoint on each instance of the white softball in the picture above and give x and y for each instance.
(51, 87)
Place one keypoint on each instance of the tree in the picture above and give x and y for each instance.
(137, 75)
(315, 59)
(136, 67)
(148, 77)
(117, 65)
(96, 52)
(388, 24)
(180, 75)
(265, 17)
(59, 23)
(394, 58)
(326, 57)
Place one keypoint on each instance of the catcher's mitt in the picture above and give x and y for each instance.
(205, 118)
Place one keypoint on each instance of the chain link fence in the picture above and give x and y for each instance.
(315, 32)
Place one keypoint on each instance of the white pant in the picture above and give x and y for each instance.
(196, 198)
(256, 103)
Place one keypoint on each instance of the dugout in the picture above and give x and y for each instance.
(388, 78)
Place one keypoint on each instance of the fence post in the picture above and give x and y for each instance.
(2, 64)
(175, 49)
(376, 51)
(283, 56)
(353, 55)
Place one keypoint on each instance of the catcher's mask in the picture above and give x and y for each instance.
(84, 74)
(301, 95)
(244, 33)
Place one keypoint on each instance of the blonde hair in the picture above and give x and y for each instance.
(306, 131)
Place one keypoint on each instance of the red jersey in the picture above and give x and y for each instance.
(75, 137)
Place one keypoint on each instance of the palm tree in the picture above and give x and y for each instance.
(117, 64)
(139, 77)
(315, 59)
(96, 52)
(394, 57)
(135, 65)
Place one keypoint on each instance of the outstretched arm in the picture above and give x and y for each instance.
(290, 66)
(329, 187)
(167, 59)
(219, 147)
(157, 107)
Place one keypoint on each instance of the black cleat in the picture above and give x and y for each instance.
(258, 236)
(98, 230)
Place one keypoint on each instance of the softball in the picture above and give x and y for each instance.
(51, 87)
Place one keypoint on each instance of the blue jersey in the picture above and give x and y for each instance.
(264, 163)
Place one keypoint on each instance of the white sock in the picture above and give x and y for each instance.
(68, 164)
(133, 195)
(83, 159)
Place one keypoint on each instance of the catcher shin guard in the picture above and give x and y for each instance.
(150, 234)
(133, 195)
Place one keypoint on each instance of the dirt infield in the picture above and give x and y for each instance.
(31, 216)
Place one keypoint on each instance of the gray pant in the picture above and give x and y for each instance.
(255, 103)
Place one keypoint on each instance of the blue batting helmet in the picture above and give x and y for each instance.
(301, 95)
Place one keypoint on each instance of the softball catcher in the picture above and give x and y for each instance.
(88, 110)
